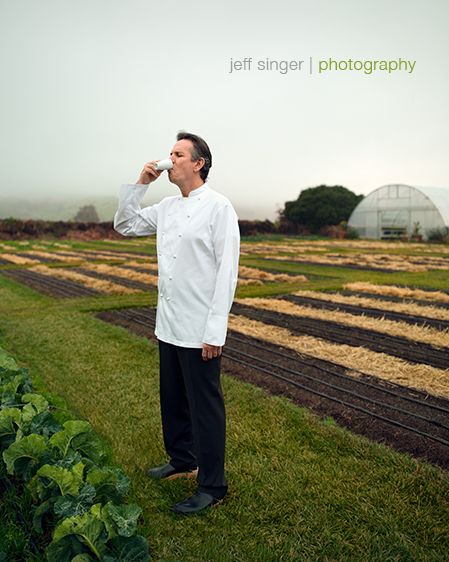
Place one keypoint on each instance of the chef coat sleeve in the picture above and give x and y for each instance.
(226, 240)
(130, 219)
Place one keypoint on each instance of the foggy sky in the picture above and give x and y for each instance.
(92, 89)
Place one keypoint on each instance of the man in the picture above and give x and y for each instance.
(198, 244)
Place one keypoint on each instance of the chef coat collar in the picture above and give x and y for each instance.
(195, 192)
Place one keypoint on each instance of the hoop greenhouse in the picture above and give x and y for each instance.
(398, 210)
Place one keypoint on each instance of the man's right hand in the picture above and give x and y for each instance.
(149, 173)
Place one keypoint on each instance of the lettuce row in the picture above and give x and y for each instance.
(77, 496)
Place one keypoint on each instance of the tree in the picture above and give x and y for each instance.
(321, 206)
(87, 213)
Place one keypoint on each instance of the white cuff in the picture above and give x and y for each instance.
(216, 328)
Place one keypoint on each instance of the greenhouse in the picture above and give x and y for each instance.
(402, 211)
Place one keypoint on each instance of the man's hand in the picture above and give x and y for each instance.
(149, 173)
(211, 351)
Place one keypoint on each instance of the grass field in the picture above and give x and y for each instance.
(301, 488)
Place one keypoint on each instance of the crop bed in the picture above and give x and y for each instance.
(416, 352)
(59, 288)
(141, 286)
(407, 419)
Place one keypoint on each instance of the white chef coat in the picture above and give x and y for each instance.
(198, 245)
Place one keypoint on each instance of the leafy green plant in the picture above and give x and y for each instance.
(78, 500)
(77, 436)
(98, 534)
(9, 426)
(23, 457)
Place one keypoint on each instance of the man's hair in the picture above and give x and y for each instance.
(199, 150)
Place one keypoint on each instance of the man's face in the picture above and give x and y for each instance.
(184, 170)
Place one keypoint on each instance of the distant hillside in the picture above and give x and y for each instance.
(55, 209)
(52, 209)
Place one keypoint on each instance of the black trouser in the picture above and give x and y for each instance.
(193, 414)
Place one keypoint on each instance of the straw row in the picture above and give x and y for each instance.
(261, 275)
(351, 244)
(402, 307)
(18, 260)
(55, 256)
(124, 273)
(98, 284)
(377, 261)
(394, 291)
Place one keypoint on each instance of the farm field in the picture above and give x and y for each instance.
(338, 448)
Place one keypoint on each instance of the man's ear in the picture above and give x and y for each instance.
(199, 164)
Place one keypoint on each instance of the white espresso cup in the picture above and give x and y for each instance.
(166, 164)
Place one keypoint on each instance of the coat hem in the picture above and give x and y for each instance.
(178, 342)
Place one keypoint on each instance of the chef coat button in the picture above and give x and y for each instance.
(170, 277)
(179, 235)
(188, 216)
(174, 256)
(168, 298)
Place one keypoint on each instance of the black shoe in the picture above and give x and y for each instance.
(196, 503)
(169, 472)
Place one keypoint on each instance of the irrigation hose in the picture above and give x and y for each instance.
(343, 376)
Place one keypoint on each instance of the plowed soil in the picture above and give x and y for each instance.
(404, 418)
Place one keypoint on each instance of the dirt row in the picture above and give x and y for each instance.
(404, 418)
(38, 259)
(137, 255)
(391, 298)
(133, 284)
